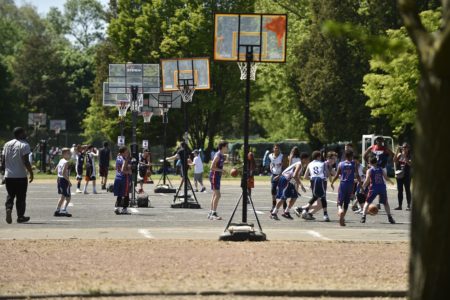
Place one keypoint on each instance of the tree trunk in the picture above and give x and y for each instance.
(430, 229)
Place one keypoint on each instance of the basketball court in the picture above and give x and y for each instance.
(93, 218)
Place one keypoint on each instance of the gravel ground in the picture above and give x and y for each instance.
(71, 266)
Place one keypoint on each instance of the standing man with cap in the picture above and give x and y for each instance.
(17, 164)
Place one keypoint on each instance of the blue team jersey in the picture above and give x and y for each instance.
(119, 163)
(347, 171)
(376, 179)
(221, 160)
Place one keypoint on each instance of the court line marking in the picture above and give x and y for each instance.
(317, 235)
(146, 233)
(257, 211)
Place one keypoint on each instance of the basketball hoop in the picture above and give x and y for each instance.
(147, 115)
(187, 92)
(122, 106)
(243, 67)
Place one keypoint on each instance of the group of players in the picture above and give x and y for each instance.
(354, 181)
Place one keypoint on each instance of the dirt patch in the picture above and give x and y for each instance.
(64, 266)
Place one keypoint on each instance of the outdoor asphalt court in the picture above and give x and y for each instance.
(93, 218)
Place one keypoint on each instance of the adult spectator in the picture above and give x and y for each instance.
(402, 162)
(103, 164)
(16, 153)
(380, 151)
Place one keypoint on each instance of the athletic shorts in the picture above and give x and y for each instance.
(89, 178)
(345, 193)
(372, 194)
(103, 170)
(286, 189)
(318, 187)
(63, 187)
(251, 182)
(79, 173)
(274, 184)
(214, 178)
(198, 177)
(122, 186)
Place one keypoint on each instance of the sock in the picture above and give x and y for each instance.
(85, 188)
(325, 213)
(275, 211)
(287, 210)
(78, 185)
(305, 208)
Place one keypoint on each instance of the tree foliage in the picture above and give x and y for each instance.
(393, 80)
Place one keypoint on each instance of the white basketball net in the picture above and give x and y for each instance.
(243, 67)
(147, 115)
(187, 92)
(57, 130)
(123, 106)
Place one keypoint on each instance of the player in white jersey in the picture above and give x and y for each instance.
(63, 184)
(317, 172)
(276, 167)
(288, 184)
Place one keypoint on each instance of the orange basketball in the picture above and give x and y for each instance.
(372, 210)
(234, 172)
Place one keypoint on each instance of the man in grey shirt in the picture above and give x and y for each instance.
(17, 164)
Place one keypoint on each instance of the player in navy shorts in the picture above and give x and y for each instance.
(375, 179)
(347, 171)
(122, 181)
(63, 184)
(215, 176)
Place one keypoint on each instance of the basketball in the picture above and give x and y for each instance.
(372, 210)
(234, 172)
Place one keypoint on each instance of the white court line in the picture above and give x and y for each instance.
(162, 194)
(146, 233)
(257, 211)
(70, 204)
(134, 210)
(317, 235)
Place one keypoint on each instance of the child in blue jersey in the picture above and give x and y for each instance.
(63, 184)
(288, 184)
(347, 171)
(215, 176)
(375, 180)
(122, 181)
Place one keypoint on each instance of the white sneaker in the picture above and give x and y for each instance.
(125, 212)
(358, 212)
(326, 218)
(78, 191)
(214, 216)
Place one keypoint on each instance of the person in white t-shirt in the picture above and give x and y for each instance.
(16, 153)
(276, 167)
(198, 171)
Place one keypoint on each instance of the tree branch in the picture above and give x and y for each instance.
(419, 35)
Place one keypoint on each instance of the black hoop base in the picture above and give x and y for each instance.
(242, 232)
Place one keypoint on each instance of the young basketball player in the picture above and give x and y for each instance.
(64, 184)
(347, 171)
(317, 171)
(197, 163)
(144, 165)
(80, 154)
(122, 181)
(375, 180)
(288, 184)
(214, 177)
(91, 153)
(276, 167)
